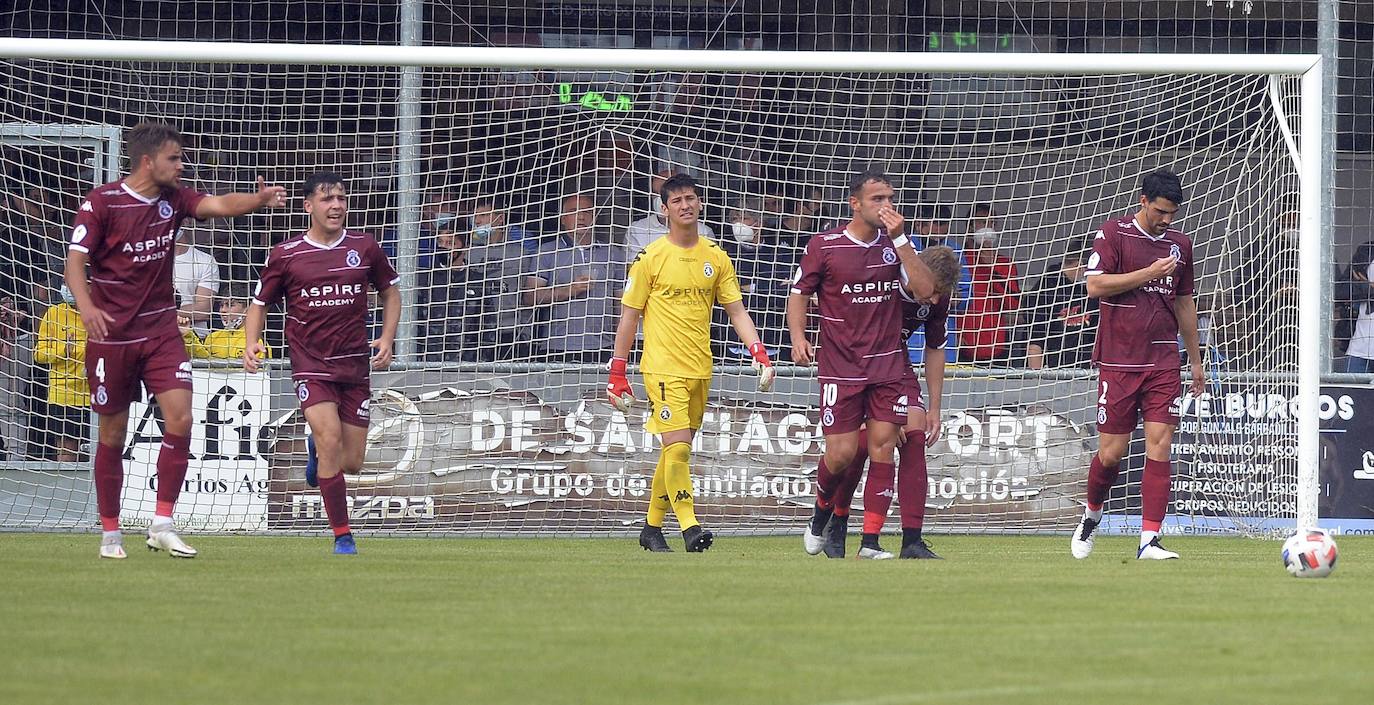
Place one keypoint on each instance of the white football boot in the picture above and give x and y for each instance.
(1152, 551)
(1081, 545)
(811, 542)
(112, 547)
(167, 540)
(876, 554)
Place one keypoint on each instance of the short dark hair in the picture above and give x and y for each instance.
(321, 178)
(985, 209)
(678, 182)
(146, 138)
(237, 292)
(863, 178)
(1162, 183)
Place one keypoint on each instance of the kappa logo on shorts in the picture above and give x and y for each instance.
(1102, 414)
(164, 209)
(828, 418)
(708, 270)
(889, 255)
(303, 392)
(353, 258)
(101, 396)
(665, 413)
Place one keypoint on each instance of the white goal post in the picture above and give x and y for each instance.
(1305, 136)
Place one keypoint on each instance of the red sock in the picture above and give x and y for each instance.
(109, 480)
(171, 471)
(844, 496)
(912, 481)
(826, 484)
(1154, 494)
(878, 495)
(1100, 481)
(334, 490)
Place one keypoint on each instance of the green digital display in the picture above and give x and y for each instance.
(972, 41)
(592, 100)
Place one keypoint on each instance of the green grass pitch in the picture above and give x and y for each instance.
(1003, 620)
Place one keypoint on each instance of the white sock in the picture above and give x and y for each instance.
(161, 523)
(112, 536)
(1147, 536)
(1094, 515)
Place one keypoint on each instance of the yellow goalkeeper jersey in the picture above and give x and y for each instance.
(676, 289)
(62, 347)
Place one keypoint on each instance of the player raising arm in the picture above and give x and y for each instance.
(324, 274)
(856, 276)
(1142, 270)
(125, 233)
(672, 285)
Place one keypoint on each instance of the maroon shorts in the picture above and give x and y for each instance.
(912, 391)
(1124, 397)
(114, 370)
(352, 399)
(845, 407)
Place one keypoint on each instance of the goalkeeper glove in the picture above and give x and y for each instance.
(618, 389)
(763, 365)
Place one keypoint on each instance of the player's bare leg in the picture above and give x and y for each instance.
(1102, 474)
(172, 460)
(329, 448)
(109, 481)
(913, 484)
(677, 449)
(840, 449)
(1154, 490)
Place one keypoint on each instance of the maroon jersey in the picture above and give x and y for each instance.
(131, 242)
(1137, 329)
(857, 285)
(325, 287)
(932, 318)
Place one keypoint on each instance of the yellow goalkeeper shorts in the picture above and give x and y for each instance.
(677, 402)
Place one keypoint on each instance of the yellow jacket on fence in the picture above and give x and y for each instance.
(224, 344)
(62, 347)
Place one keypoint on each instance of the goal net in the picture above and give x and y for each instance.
(512, 199)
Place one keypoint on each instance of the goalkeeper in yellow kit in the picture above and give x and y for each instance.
(673, 284)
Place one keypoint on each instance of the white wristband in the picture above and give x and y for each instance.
(900, 241)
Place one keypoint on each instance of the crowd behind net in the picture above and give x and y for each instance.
(493, 421)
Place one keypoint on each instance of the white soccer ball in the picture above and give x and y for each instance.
(1310, 553)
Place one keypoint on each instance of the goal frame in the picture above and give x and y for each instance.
(1309, 67)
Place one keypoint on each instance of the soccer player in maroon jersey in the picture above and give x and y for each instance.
(126, 232)
(324, 274)
(1141, 269)
(922, 428)
(856, 272)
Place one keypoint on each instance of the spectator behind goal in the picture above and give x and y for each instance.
(62, 348)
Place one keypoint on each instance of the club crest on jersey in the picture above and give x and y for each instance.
(708, 270)
(923, 312)
(101, 396)
(303, 392)
(889, 255)
(164, 209)
(353, 258)
(1176, 253)
(665, 413)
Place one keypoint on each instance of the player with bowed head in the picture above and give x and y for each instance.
(324, 274)
(673, 285)
(125, 232)
(857, 272)
(1141, 268)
